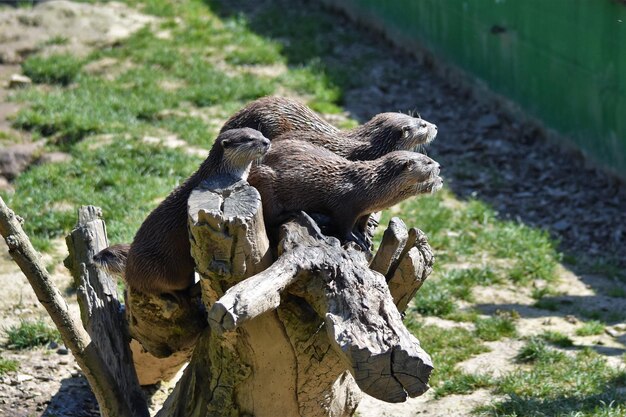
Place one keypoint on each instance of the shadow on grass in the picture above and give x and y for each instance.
(610, 402)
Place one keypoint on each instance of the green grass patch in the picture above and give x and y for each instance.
(557, 339)
(60, 69)
(466, 315)
(560, 385)
(547, 304)
(439, 295)
(463, 383)
(471, 229)
(126, 178)
(8, 365)
(495, 328)
(617, 292)
(434, 299)
(448, 347)
(590, 328)
(31, 334)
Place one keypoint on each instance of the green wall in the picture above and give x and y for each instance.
(562, 61)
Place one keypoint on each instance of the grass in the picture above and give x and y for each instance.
(557, 339)
(219, 55)
(29, 334)
(60, 69)
(447, 348)
(8, 365)
(439, 296)
(560, 385)
(590, 328)
(495, 328)
(100, 177)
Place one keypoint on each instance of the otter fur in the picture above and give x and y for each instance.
(275, 115)
(301, 176)
(384, 133)
(281, 118)
(159, 259)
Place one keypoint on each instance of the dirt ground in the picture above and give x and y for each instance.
(536, 182)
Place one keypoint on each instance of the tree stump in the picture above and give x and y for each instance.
(302, 336)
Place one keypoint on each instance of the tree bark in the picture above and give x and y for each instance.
(101, 312)
(265, 353)
(105, 387)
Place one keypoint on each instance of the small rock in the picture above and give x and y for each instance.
(62, 351)
(487, 121)
(5, 185)
(52, 345)
(599, 342)
(75, 374)
(16, 158)
(611, 332)
(571, 319)
(561, 225)
(19, 81)
(54, 158)
(23, 378)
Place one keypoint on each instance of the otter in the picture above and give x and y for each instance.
(384, 133)
(274, 116)
(113, 259)
(159, 259)
(280, 118)
(315, 179)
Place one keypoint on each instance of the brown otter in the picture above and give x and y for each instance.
(280, 118)
(384, 133)
(159, 259)
(314, 179)
(113, 259)
(274, 116)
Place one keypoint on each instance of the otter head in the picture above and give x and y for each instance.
(401, 132)
(240, 148)
(416, 172)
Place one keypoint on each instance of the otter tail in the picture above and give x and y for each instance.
(112, 259)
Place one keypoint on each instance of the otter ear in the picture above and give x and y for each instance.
(226, 143)
(409, 165)
(406, 129)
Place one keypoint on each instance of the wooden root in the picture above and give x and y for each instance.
(108, 390)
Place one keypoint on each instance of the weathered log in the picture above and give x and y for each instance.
(264, 367)
(101, 312)
(394, 240)
(363, 324)
(414, 265)
(105, 387)
(165, 325)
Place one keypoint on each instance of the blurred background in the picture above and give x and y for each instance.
(116, 103)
